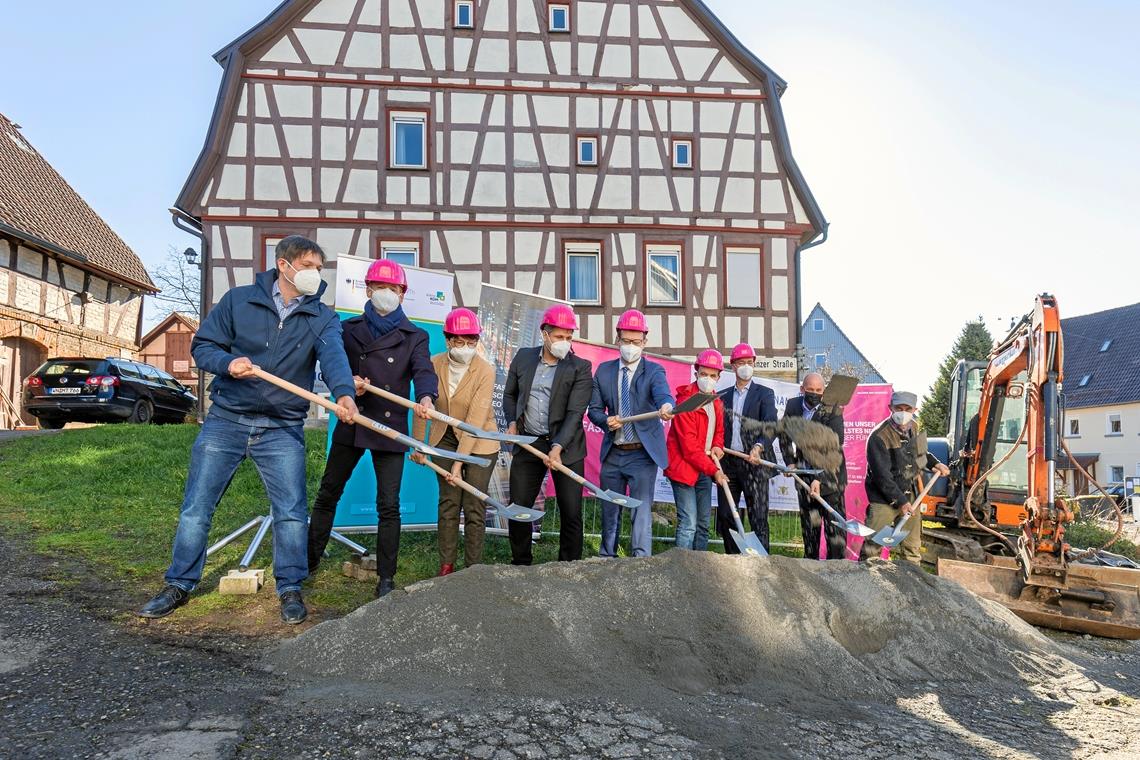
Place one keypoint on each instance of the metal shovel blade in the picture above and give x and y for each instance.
(519, 514)
(892, 535)
(748, 543)
(852, 526)
(620, 499)
(490, 435)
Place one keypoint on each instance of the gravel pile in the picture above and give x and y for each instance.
(681, 622)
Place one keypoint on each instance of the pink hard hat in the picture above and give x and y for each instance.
(710, 359)
(387, 272)
(462, 322)
(743, 351)
(633, 320)
(560, 316)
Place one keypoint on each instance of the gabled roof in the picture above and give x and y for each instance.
(37, 205)
(165, 324)
(819, 312)
(231, 57)
(1114, 373)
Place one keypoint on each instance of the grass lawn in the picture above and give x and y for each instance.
(109, 496)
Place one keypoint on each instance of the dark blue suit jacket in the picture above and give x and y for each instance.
(649, 391)
(759, 404)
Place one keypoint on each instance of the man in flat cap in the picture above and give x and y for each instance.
(896, 458)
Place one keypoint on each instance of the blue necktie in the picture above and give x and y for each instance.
(627, 433)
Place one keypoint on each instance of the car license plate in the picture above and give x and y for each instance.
(65, 391)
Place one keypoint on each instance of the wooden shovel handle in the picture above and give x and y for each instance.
(297, 390)
(560, 467)
(458, 481)
(640, 417)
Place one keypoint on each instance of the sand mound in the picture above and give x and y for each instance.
(690, 622)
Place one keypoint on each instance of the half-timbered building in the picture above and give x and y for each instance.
(69, 286)
(616, 154)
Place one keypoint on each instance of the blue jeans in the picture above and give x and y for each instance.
(635, 470)
(694, 504)
(279, 455)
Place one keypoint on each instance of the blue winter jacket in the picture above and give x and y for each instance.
(245, 323)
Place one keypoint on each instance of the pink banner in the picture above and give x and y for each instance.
(870, 405)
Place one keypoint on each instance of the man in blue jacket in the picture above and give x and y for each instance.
(631, 453)
(280, 325)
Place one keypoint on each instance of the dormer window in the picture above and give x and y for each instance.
(559, 17)
(464, 14)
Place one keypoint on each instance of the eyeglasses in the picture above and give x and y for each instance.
(465, 342)
(639, 342)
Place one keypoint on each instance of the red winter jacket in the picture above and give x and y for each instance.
(688, 459)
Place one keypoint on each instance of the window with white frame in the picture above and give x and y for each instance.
(587, 151)
(559, 17)
(663, 275)
(464, 14)
(682, 154)
(817, 325)
(1115, 426)
(820, 361)
(271, 252)
(742, 278)
(1116, 473)
(403, 252)
(408, 142)
(1074, 428)
(584, 273)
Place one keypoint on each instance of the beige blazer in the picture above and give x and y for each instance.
(471, 403)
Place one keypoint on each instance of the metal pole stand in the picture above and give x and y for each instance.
(246, 581)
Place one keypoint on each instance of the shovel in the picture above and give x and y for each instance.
(691, 404)
(466, 427)
(360, 419)
(893, 535)
(851, 525)
(748, 543)
(513, 512)
(611, 496)
(782, 469)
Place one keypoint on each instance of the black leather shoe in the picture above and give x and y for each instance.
(385, 586)
(293, 608)
(165, 602)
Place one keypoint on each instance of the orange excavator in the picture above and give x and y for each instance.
(1005, 434)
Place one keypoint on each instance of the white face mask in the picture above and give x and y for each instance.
(306, 281)
(560, 349)
(462, 354)
(385, 301)
(745, 371)
(706, 384)
(902, 419)
(630, 354)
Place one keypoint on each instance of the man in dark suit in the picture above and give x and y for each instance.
(745, 400)
(631, 453)
(546, 395)
(812, 517)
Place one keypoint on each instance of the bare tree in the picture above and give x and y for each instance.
(180, 285)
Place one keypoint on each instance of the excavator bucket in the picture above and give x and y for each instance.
(1102, 601)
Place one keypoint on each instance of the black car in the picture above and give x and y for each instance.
(104, 390)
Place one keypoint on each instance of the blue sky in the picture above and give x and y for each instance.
(968, 155)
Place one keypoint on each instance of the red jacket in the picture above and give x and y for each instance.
(688, 458)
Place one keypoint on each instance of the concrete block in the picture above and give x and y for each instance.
(239, 582)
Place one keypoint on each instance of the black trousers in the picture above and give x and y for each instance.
(745, 479)
(389, 468)
(813, 518)
(528, 474)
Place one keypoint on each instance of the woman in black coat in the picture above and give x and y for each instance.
(386, 350)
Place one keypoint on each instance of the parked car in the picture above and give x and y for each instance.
(104, 390)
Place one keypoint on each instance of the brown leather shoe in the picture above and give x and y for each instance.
(446, 570)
